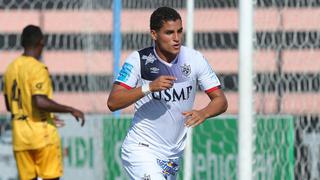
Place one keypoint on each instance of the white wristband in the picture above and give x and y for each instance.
(145, 89)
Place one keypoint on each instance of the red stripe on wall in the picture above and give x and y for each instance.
(222, 61)
(226, 19)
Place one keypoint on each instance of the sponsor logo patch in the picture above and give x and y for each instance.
(125, 72)
(154, 70)
(39, 85)
(146, 177)
(169, 167)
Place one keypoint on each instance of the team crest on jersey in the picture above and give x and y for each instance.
(186, 69)
(149, 59)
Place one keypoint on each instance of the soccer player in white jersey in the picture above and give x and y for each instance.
(162, 81)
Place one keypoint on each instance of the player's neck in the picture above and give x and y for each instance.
(30, 53)
(167, 57)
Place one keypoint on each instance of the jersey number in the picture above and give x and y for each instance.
(16, 94)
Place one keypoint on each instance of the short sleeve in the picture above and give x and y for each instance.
(129, 73)
(40, 81)
(208, 81)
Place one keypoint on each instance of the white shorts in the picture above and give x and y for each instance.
(142, 164)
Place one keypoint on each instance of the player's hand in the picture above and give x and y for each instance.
(78, 115)
(162, 83)
(194, 118)
(58, 122)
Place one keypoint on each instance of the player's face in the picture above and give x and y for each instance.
(168, 39)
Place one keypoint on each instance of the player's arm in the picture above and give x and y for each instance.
(43, 103)
(6, 101)
(216, 106)
(121, 97)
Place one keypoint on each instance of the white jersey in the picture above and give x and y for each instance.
(158, 122)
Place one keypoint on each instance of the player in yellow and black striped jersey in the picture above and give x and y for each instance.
(28, 96)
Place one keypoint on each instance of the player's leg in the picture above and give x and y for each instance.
(140, 163)
(49, 162)
(25, 165)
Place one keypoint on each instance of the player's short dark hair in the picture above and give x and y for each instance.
(161, 15)
(31, 35)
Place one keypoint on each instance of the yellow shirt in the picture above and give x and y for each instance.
(32, 128)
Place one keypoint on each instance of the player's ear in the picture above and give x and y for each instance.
(153, 35)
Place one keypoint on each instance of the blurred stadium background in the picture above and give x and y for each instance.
(79, 54)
